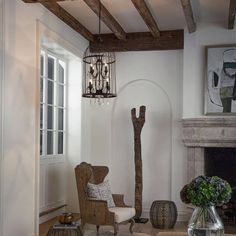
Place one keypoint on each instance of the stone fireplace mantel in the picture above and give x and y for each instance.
(199, 133)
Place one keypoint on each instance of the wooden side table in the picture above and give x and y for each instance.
(64, 232)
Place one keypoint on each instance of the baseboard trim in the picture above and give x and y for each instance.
(51, 215)
(43, 213)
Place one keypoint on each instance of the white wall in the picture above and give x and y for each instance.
(153, 79)
(74, 132)
(195, 63)
(1, 104)
(21, 87)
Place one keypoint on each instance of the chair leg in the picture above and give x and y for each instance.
(82, 226)
(131, 225)
(97, 228)
(116, 228)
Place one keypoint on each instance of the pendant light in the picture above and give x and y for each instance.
(99, 80)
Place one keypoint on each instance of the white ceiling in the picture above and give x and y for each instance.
(167, 13)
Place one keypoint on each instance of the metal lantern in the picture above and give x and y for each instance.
(99, 74)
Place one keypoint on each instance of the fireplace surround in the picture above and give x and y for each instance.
(209, 136)
(199, 133)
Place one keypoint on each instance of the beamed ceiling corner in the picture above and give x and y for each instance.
(119, 40)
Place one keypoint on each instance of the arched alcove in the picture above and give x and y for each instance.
(156, 142)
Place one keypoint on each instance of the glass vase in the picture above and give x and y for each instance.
(205, 221)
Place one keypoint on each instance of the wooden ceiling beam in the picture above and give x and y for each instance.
(168, 40)
(146, 14)
(232, 13)
(142, 41)
(107, 18)
(62, 14)
(188, 13)
(43, 1)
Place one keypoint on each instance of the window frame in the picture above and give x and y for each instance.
(55, 104)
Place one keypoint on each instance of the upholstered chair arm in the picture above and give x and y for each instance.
(119, 200)
(98, 213)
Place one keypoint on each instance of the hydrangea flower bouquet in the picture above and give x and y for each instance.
(205, 193)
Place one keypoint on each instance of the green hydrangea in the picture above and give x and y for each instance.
(206, 191)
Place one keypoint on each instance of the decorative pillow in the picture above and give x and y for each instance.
(101, 191)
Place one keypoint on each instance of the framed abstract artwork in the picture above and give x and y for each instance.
(220, 84)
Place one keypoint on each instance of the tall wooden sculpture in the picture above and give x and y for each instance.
(138, 123)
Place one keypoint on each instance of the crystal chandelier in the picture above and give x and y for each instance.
(99, 79)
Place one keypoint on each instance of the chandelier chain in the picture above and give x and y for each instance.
(99, 21)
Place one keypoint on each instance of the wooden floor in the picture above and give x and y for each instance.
(138, 228)
(180, 229)
(43, 228)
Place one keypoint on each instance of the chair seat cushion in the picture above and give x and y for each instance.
(122, 213)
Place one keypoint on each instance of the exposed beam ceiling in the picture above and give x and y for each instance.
(232, 12)
(168, 40)
(144, 11)
(62, 14)
(188, 13)
(119, 40)
(69, 19)
(107, 18)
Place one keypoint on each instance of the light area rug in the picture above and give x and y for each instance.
(172, 234)
(111, 233)
(181, 234)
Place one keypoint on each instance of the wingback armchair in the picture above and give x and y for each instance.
(96, 211)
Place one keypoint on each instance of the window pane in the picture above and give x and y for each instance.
(61, 95)
(41, 65)
(41, 116)
(60, 119)
(50, 142)
(41, 142)
(60, 143)
(52, 104)
(50, 92)
(61, 71)
(41, 89)
(51, 68)
(50, 117)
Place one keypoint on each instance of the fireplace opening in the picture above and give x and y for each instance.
(222, 162)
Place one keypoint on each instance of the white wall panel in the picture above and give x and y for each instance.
(2, 37)
(42, 189)
(55, 183)
(74, 132)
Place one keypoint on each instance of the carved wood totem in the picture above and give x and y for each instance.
(138, 123)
